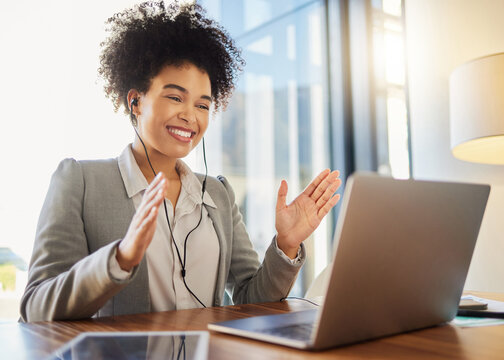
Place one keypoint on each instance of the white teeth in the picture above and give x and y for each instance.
(178, 132)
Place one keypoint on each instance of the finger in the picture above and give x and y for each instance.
(282, 196)
(152, 193)
(316, 182)
(151, 216)
(148, 226)
(153, 187)
(157, 200)
(328, 193)
(157, 179)
(328, 206)
(163, 184)
(321, 188)
(144, 210)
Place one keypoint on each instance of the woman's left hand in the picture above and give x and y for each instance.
(296, 221)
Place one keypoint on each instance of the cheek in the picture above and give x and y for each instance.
(154, 116)
(159, 111)
(147, 108)
(204, 125)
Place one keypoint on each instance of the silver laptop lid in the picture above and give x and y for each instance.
(403, 251)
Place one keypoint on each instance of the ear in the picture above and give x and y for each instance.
(134, 94)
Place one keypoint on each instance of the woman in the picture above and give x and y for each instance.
(142, 232)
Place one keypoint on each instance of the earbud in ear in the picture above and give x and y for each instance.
(134, 102)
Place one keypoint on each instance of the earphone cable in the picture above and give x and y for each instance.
(202, 194)
(182, 263)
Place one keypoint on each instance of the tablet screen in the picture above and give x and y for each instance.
(188, 345)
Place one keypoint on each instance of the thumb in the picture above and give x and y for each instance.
(282, 196)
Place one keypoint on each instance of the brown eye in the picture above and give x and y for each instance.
(174, 98)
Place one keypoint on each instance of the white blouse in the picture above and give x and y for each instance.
(166, 286)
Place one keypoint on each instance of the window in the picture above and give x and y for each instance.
(390, 87)
(378, 87)
(276, 126)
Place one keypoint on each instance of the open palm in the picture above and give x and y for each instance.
(296, 221)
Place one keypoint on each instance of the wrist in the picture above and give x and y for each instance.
(290, 251)
(124, 264)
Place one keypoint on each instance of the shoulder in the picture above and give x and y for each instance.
(219, 188)
(68, 171)
(89, 172)
(70, 164)
(84, 167)
(99, 165)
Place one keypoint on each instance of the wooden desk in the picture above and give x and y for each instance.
(37, 340)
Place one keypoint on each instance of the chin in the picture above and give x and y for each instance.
(180, 154)
(175, 150)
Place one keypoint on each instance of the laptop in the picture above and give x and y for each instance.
(402, 253)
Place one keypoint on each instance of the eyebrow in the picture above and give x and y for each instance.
(184, 90)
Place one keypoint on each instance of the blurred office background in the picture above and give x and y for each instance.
(327, 83)
(324, 86)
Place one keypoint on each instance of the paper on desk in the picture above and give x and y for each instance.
(493, 305)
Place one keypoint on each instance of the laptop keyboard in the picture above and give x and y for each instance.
(296, 332)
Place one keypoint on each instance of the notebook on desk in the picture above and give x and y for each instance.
(402, 252)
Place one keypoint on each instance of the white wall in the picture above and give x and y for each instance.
(441, 35)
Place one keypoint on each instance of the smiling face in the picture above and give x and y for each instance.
(173, 114)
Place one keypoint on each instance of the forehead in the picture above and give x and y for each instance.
(187, 75)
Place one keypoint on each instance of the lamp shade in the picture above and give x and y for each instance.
(477, 110)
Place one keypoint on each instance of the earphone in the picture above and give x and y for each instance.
(134, 102)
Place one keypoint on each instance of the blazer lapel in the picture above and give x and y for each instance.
(220, 286)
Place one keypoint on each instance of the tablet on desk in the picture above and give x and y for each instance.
(188, 345)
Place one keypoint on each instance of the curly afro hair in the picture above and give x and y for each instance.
(151, 35)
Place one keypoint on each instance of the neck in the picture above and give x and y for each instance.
(159, 162)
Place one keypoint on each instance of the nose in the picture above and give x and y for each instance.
(187, 114)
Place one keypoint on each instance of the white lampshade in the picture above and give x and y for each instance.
(477, 110)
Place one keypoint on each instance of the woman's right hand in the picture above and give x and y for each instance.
(132, 248)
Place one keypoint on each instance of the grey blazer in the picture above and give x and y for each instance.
(87, 212)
